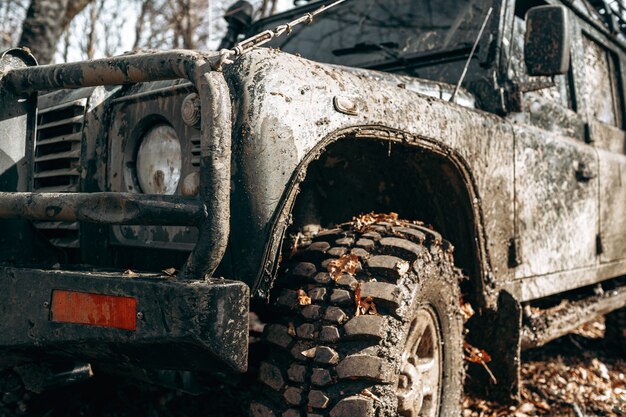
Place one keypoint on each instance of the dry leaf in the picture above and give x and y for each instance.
(303, 298)
(346, 264)
(310, 353)
(543, 405)
(467, 310)
(476, 355)
(291, 329)
(371, 307)
(402, 267)
(357, 299)
(296, 242)
(170, 272)
(255, 325)
(130, 273)
(368, 393)
(366, 306)
(479, 356)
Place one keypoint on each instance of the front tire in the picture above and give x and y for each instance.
(325, 360)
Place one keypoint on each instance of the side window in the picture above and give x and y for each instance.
(602, 84)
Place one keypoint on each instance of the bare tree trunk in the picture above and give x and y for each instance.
(268, 8)
(91, 38)
(263, 8)
(112, 34)
(139, 26)
(66, 46)
(187, 25)
(44, 24)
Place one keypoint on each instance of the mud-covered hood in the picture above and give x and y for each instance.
(418, 85)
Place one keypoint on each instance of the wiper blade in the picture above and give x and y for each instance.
(366, 48)
(420, 60)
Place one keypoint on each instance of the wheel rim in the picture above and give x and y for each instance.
(419, 385)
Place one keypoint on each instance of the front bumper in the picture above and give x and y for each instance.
(187, 325)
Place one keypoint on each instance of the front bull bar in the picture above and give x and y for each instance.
(211, 214)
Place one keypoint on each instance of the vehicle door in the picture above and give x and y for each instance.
(556, 194)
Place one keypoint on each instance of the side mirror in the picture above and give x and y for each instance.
(547, 43)
(239, 17)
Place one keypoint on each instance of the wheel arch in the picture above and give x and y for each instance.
(402, 166)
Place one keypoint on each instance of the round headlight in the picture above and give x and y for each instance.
(159, 161)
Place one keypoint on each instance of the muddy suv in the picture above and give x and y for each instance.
(153, 198)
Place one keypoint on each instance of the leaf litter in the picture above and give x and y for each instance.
(363, 221)
(576, 375)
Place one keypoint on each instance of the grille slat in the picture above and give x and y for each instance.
(57, 189)
(58, 173)
(73, 154)
(195, 151)
(75, 137)
(62, 106)
(78, 120)
(56, 163)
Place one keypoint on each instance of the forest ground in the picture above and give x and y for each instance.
(574, 376)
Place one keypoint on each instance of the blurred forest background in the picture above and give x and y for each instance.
(69, 30)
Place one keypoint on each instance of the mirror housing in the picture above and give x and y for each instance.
(547, 43)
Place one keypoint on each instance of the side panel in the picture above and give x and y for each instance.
(590, 246)
(556, 203)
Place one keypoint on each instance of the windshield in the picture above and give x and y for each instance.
(367, 33)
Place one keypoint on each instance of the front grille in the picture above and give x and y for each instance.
(57, 162)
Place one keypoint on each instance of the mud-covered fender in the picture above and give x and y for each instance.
(288, 109)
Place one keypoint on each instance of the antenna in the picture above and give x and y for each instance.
(471, 55)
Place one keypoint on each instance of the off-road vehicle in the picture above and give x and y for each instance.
(149, 199)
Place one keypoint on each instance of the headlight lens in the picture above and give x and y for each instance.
(159, 161)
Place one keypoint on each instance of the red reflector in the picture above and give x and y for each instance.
(94, 309)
